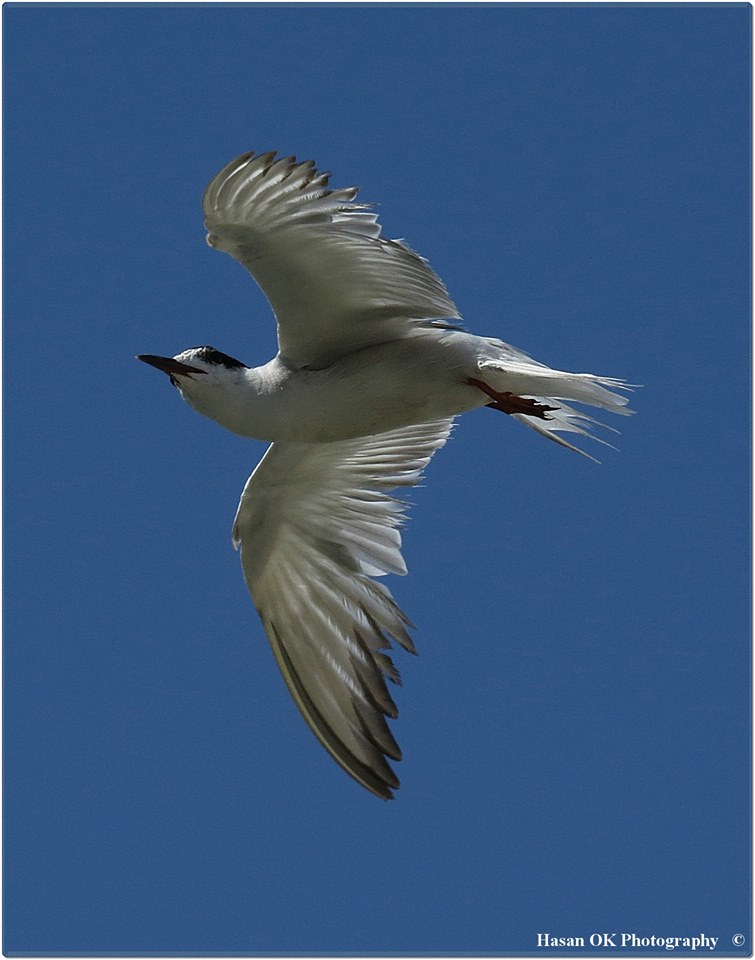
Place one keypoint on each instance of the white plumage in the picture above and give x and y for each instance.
(315, 524)
(371, 370)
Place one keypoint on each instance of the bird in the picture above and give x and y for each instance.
(374, 365)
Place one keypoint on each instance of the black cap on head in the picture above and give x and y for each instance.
(211, 355)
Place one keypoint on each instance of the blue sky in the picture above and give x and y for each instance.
(576, 727)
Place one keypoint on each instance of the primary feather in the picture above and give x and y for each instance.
(334, 283)
(315, 524)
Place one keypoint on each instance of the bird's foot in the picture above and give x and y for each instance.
(510, 403)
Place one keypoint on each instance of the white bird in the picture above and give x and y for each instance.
(371, 370)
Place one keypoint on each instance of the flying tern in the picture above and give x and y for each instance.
(372, 368)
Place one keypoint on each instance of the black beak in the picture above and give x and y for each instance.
(168, 365)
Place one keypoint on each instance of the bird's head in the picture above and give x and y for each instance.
(203, 375)
(196, 365)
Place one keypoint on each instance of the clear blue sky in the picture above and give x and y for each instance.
(576, 728)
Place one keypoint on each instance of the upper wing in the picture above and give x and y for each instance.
(315, 524)
(334, 283)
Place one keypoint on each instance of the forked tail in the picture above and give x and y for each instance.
(522, 384)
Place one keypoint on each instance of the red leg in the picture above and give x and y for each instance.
(510, 403)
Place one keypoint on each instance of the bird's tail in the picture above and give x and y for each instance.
(516, 373)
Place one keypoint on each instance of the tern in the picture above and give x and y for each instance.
(372, 368)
